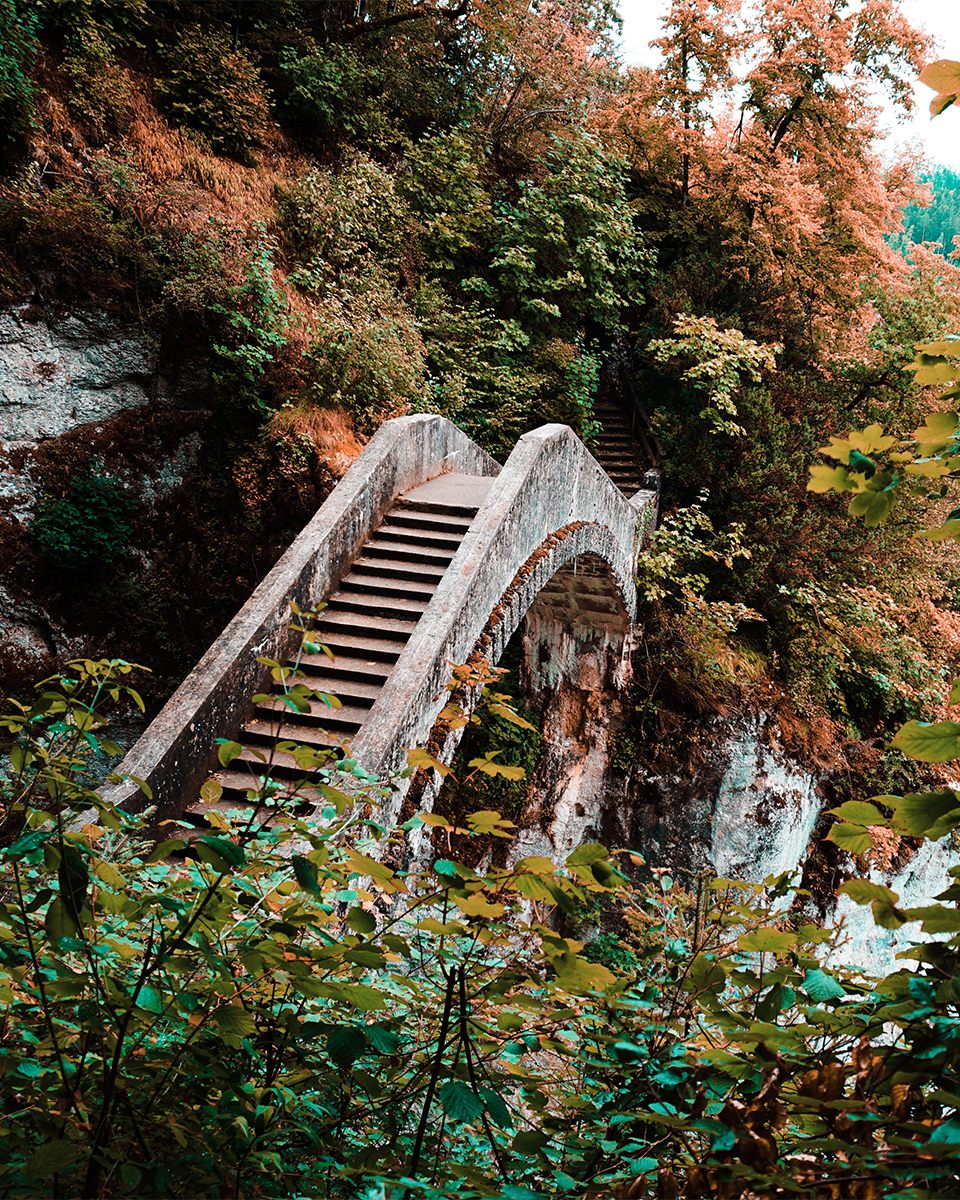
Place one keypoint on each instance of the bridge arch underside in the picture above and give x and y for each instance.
(577, 612)
(578, 581)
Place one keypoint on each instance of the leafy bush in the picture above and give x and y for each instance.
(17, 52)
(214, 89)
(272, 1008)
(568, 249)
(88, 526)
(334, 94)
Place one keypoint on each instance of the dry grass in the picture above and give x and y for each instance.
(328, 430)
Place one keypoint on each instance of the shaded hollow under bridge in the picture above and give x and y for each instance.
(427, 552)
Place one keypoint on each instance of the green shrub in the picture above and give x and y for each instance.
(17, 52)
(214, 90)
(334, 94)
(88, 526)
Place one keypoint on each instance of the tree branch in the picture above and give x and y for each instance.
(352, 32)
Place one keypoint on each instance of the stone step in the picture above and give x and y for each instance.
(353, 646)
(435, 522)
(407, 552)
(397, 608)
(334, 621)
(390, 588)
(322, 675)
(260, 733)
(393, 532)
(274, 711)
(465, 512)
(393, 568)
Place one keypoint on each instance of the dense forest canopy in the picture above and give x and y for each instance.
(353, 210)
(938, 221)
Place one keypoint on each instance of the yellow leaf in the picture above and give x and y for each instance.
(942, 75)
(418, 757)
(937, 432)
(827, 479)
(476, 905)
(948, 530)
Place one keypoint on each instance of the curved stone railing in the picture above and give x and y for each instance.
(174, 754)
(552, 503)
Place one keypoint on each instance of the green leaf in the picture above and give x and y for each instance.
(859, 464)
(59, 922)
(861, 891)
(460, 1102)
(947, 1134)
(74, 880)
(530, 1141)
(233, 852)
(232, 1019)
(227, 751)
(936, 918)
(873, 506)
(704, 975)
(852, 838)
(306, 875)
(588, 853)
(767, 941)
(345, 1044)
(497, 1108)
(385, 1041)
(164, 849)
(820, 986)
(367, 999)
(886, 915)
(576, 974)
(361, 921)
(928, 814)
(936, 743)
(51, 1159)
(109, 875)
(859, 812)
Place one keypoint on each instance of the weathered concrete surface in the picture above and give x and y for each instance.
(466, 491)
(174, 756)
(552, 504)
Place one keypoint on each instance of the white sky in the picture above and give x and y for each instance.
(938, 138)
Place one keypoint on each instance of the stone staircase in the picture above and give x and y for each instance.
(365, 624)
(617, 451)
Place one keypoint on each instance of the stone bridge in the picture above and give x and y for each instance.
(428, 541)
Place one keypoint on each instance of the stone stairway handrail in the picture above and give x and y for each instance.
(174, 754)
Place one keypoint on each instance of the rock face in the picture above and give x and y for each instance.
(736, 804)
(76, 390)
(745, 811)
(57, 374)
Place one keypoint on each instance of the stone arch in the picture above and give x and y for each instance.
(576, 588)
(574, 580)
